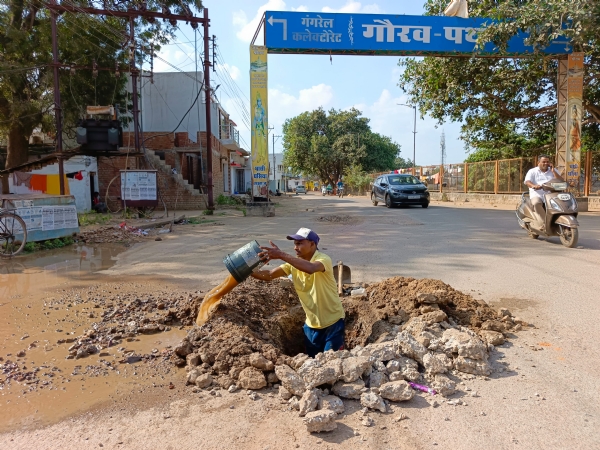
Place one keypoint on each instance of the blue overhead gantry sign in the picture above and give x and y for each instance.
(386, 34)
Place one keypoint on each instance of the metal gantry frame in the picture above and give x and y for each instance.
(562, 132)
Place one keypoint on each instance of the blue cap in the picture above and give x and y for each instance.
(304, 233)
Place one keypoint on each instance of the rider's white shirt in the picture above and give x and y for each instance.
(536, 176)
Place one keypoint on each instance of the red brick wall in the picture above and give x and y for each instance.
(162, 141)
(173, 195)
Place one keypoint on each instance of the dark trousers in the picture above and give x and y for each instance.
(318, 340)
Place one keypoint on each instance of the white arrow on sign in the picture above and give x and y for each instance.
(283, 21)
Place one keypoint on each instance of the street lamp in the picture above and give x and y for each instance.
(414, 135)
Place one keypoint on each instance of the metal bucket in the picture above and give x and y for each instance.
(244, 261)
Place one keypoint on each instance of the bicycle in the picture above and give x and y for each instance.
(11, 228)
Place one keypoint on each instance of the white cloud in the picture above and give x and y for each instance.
(233, 71)
(283, 106)
(390, 119)
(248, 28)
(352, 6)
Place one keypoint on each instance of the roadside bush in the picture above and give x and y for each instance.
(93, 218)
(225, 200)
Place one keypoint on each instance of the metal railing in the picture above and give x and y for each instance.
(503, 176)
(228, 131)
(487, 177)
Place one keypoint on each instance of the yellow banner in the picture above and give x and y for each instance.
(259, 111)
(574, 116)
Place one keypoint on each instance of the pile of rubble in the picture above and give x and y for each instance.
(111, 235)
(402, 332)
(123, 317)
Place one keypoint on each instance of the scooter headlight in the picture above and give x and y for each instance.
(555, 205)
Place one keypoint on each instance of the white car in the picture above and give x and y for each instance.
(300, 190)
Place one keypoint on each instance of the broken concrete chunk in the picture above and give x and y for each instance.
(192, 359)
(397, 391)
(252, 378)
(472, 366)
(464, 344)
(436, 363)
(373, 401)
(393, 366)
(504, 312)
(309, 402)
(319, 421)
(349, 390)
(493, 325)
(443, 385)
(492, 337)
(332, 403)
(184, 349)
(284, 393)
(411, 374)
(192, 375)
(409, 346)
(384, 351)
(260, 362)
(434, 317)
(298, 360)
(337, 365)
(315, 375)
(377, 378)
(294, 403)
(424, 297)
(379, 366)
(272, 378)
(290, 380)
(204, 380)
(354, 367)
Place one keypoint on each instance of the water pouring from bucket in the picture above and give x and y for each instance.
(240, 265)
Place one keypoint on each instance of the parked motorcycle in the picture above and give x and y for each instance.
(560, 214)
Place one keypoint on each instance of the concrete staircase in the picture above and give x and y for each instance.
(162, 166)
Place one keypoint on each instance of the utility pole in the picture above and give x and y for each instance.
(214, 50)
(57, 108)
(443, 147)
(134, 81)
(274, 163)
(209, 163)
(414, 107)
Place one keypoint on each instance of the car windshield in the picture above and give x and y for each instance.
(406, 179)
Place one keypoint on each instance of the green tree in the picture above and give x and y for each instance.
(326, 144)
(26, 79)
(508, 106)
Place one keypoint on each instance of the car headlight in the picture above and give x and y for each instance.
(555, 205)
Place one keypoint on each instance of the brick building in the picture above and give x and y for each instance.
(180, 156)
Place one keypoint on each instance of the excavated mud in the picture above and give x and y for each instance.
(394, 301)
(265, 319)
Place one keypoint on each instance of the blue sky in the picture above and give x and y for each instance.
(299, 83)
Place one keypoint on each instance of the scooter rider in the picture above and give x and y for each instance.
(340, 185)
(534, 179)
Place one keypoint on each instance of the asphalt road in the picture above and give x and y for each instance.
(551, 396)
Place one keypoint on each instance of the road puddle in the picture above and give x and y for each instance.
(49, 300)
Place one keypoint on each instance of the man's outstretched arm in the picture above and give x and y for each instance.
(274, 252)
(268, 275)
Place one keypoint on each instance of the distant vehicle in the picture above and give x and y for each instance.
(399, 190)
(300, 190)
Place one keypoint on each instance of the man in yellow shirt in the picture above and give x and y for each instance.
(312, 274)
